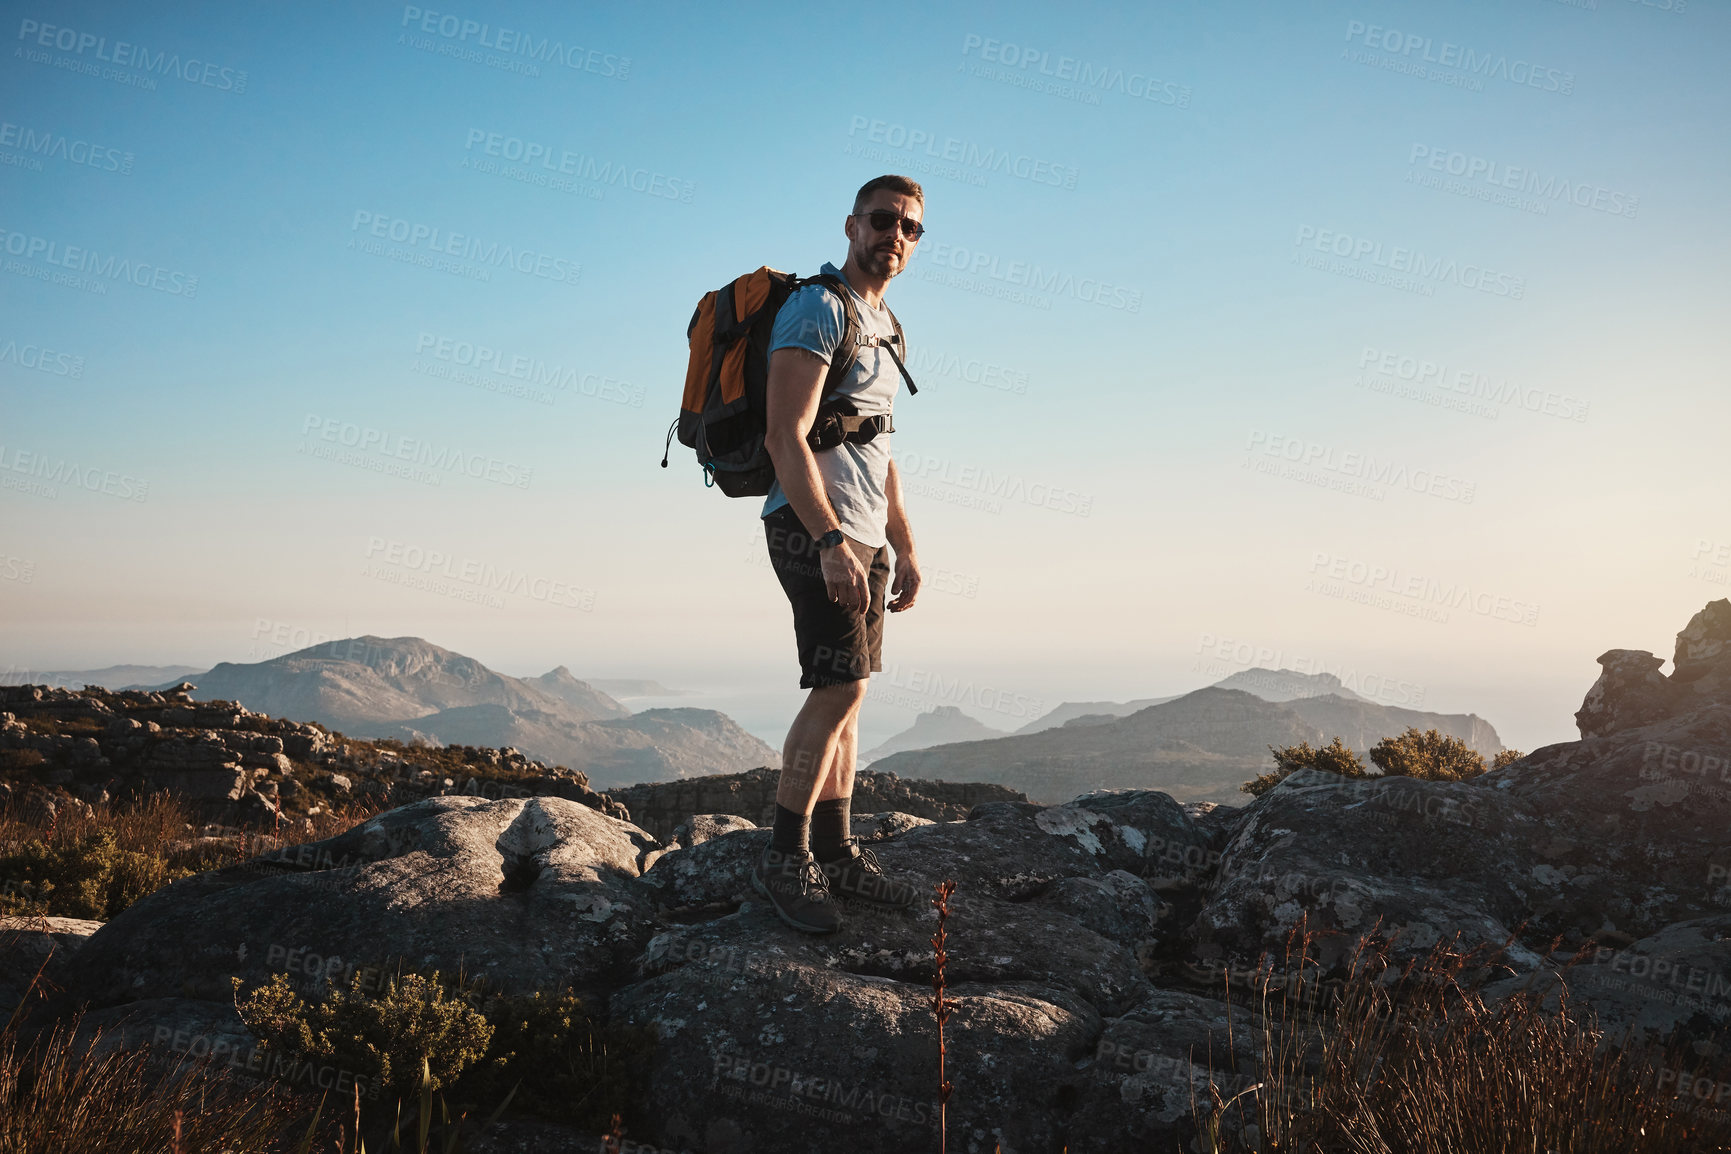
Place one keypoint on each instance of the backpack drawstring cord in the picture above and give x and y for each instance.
(666, 446)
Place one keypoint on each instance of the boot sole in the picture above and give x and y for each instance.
(802, 927)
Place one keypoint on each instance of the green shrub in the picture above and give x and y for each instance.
(385, 1037)
(1430, 756)
(84, 877)
(1334, 757)
(541, 1051)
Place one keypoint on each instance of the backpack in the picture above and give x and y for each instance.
(723, 412)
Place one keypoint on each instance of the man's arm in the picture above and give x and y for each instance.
(794, 391)
(906, 586)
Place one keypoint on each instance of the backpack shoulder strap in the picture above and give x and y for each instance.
(901, 343)
(851, 339)
(847, 352)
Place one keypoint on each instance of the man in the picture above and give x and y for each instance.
(827, 521)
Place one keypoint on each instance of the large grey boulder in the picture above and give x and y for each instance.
(526, 893)
(1412, 862)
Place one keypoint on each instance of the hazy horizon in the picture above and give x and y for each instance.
(1372, 337)
(901, 692)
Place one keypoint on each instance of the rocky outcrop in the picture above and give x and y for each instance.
(659, 807)
(96, 746)
(768, 1041)
(1616, 849)
(1702, 659)
(1631, 692)
(530, 893)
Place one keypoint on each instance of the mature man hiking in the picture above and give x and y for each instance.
(827, 521)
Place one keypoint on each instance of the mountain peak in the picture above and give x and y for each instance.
(941, 725)
(1287, 684)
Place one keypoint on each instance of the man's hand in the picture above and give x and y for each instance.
(906, 584)
(845, 577)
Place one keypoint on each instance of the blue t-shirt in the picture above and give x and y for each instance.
(855, 477)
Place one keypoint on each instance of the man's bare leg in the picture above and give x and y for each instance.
(838, 782)
(825, 723)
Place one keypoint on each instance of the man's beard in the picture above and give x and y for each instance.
(878, 263)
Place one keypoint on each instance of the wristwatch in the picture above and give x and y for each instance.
(830, 539)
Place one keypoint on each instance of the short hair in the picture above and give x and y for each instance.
(907, 186)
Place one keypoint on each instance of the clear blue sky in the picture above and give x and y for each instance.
(1381, 338)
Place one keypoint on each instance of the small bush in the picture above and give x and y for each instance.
(1430, 756)
(1334, 757)
(540, 1051)
(86, 877)
(1506, 757)
(384, 1037)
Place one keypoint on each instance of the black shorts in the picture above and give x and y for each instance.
(836, 645)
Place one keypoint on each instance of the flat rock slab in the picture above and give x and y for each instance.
(796, 1057)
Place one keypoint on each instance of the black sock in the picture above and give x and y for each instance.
(792, 832)
(829, 828)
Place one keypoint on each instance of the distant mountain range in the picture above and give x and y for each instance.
(113, 677)
(941, 726)
(410, 689)
(1075, 710)
(1197, 747)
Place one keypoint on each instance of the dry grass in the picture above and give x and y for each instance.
(58, 1097)
(1414, 1060)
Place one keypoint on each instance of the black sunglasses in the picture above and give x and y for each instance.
(881, 220)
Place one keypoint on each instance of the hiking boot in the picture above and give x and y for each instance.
(797, 890)
(857, 875)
